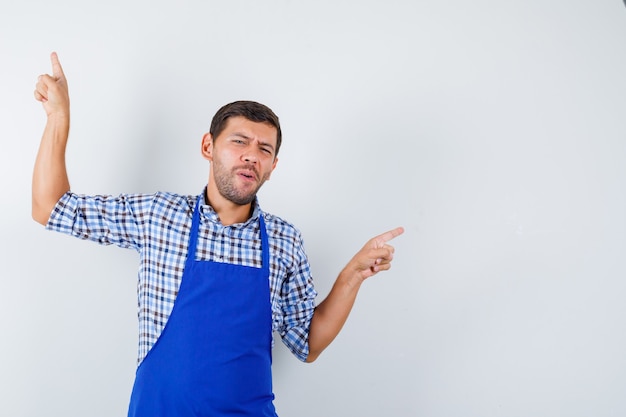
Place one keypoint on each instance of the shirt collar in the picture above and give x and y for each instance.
(209, 213)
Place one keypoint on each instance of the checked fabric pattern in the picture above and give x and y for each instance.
(157, 226)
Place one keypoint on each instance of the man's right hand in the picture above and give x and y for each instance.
(52, 91)
(50, 180)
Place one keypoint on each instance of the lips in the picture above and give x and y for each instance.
(248, 174)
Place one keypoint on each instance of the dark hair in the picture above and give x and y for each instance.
(251, 110)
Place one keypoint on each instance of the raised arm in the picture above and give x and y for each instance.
(331, 314)
(50, 179)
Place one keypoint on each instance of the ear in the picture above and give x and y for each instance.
(207, 146)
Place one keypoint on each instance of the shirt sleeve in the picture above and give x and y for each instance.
(108, 220)
(298, 304)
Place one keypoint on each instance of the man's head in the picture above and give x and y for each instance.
(251, 110)
(241, 145)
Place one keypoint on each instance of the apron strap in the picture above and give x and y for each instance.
(193, 237)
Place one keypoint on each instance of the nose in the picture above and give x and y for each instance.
(250, 156)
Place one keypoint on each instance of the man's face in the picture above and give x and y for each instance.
(242, 157)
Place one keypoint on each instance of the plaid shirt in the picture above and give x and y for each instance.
(158, 226)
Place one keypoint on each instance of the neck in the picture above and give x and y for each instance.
(228, 212)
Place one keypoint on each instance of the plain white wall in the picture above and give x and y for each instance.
(493, 131)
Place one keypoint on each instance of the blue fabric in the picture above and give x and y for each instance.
(214, 356)
(157, 226)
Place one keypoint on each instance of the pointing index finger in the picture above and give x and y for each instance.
(387, 236)
(57, 70)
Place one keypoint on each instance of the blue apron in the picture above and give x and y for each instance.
(213, 357)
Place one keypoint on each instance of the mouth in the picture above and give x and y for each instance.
(247, 174)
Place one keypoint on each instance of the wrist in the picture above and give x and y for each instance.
(58, 124)
(59, 117)
(351, 277)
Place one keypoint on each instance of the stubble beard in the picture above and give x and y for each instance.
(225, 182)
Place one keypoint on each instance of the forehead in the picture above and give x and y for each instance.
(239, 125)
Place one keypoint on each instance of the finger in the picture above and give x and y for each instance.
(41, 88)
(39, 97)
(382, 255)
(380, 267)
(387, 236)
(385, 258)
(57, 70)
(44, 80)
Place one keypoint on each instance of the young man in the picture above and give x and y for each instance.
(218, 275)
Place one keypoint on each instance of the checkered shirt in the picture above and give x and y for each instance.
(158, 226)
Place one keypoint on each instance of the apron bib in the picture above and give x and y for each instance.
(213, 357)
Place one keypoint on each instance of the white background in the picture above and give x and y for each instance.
(493, 131)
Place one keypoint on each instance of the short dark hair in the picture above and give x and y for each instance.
(251, 110)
